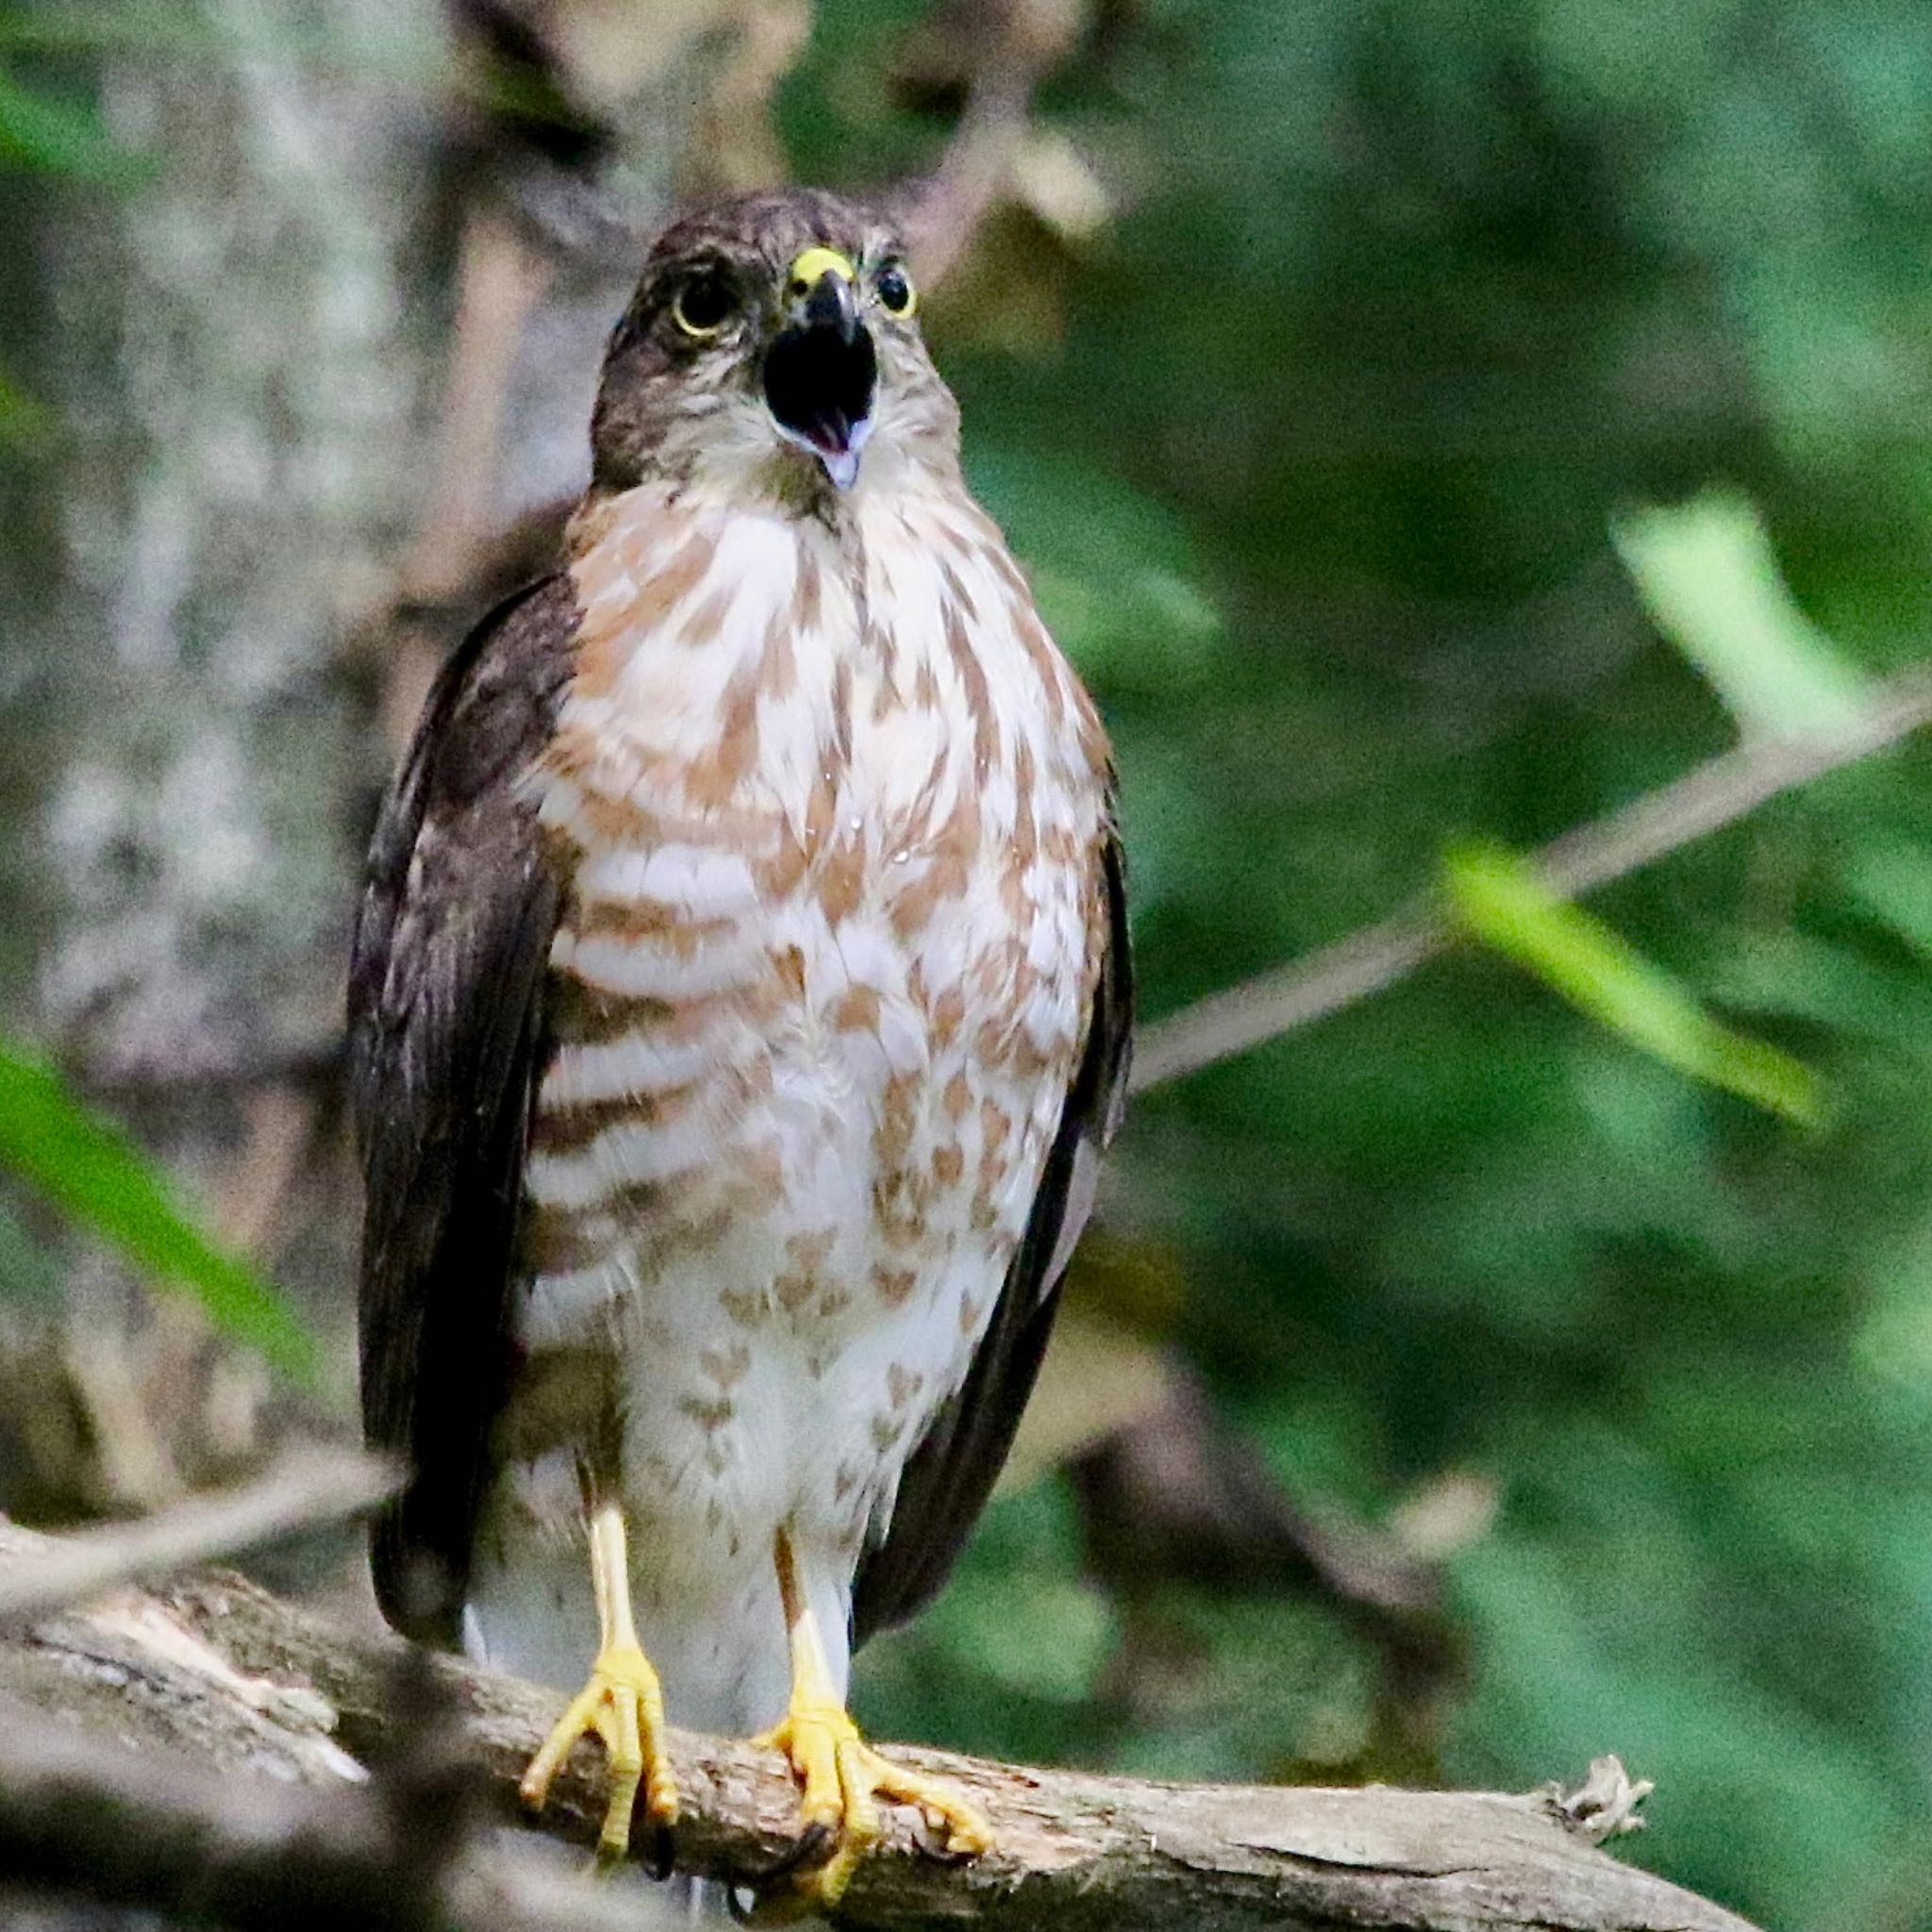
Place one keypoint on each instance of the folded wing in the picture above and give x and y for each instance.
(446, 1045)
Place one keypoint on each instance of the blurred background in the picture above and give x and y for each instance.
(1429, 427)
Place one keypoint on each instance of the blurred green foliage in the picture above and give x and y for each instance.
(102, 1183)
(1406, 309)
(57, 134)
(53, 134)
(1501, 899)
(1708, 574)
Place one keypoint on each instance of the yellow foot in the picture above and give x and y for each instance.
(624, 1706)
(843, 1779)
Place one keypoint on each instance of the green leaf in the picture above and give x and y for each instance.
(56, 134)
(92, 1174)
(1502, 900)
(1708, 574)
(1894, 881)
(23, 419)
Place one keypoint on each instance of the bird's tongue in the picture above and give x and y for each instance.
(831, 433)
(818, 388)
(838, 447)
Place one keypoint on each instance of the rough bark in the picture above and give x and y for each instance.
(255, 1722)
(241, 349)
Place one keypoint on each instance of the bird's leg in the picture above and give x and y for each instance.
(622, 1703)
(843, 1777)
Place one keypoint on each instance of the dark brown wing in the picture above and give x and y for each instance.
(952, 1473)
(446, 1037)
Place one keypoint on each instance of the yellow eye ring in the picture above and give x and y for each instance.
(703, 304)
(814, 265)
(897, 295)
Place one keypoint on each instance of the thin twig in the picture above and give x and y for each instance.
(1715, 794)
(942, 215)
(1017, 44)
(306, 1488)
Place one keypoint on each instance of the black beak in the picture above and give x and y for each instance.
(834, 304)
(821, 376)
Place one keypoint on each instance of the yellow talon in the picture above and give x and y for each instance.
(622, 1704)
(843, 1777)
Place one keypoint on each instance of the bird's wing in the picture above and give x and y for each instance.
(446, 1038)
(950, 1474)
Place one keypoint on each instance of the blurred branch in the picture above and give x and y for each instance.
(204, 1675)
(1715, 794)
(80, 1818)
(1177, 1496)
(1007, 48)
(308, 1489)
(501, 278)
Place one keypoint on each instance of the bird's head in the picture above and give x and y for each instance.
(772, 348)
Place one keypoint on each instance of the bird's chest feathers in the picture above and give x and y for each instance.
(827, 808)
(835, 703)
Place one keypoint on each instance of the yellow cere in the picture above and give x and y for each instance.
(811, 268)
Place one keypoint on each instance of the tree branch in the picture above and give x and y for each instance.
(214, 1674)
(1715, 794)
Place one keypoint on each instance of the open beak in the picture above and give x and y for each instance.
(820, 371)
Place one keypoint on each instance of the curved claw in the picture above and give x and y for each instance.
(812, 1846)
(843, 1779)
(664, 1848)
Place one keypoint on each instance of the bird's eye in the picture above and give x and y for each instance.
(895, 289)
(703, 304)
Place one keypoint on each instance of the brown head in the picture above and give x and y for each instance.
(773, 350)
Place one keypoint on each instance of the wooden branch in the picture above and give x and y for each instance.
(1713, 795)
(212, 1676)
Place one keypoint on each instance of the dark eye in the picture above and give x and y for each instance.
(895, 289)
(704, 304)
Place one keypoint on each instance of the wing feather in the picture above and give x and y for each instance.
(446, 1043)
(950, 1474)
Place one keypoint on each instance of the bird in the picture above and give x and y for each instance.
(741, 1001)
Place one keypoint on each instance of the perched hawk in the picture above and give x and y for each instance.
(740, 1001)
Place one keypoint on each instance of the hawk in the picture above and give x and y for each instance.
(739, 1002)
